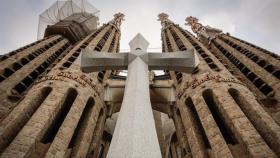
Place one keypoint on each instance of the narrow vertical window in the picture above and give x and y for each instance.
(84, 117)
(195, 117)
(212, 105)
(33, 106)
(59, 118)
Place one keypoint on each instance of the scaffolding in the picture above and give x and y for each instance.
(62, 9)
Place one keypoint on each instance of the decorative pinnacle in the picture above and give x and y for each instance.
(163, 18)
(201, 30)
(193, 22)
(118, 18)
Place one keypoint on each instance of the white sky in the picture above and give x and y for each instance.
(256, 21)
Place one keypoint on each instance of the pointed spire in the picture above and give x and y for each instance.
(118, 18)
(164, 19)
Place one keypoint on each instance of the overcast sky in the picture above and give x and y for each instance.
(256, 21)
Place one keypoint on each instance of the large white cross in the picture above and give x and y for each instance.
(135, 133)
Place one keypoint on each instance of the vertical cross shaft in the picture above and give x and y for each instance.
(135, 134)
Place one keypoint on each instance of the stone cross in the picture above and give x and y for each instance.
(135, 133)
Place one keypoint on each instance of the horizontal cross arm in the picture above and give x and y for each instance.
(93, 61)
(185, 61)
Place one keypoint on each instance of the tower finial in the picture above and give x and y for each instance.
(204, 31)
(118, 18)
(163, 18)
(193, 22)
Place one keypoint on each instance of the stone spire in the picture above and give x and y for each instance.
(258, 68)
(71, 88)
(221, 94)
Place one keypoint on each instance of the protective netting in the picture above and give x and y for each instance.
(62, 9)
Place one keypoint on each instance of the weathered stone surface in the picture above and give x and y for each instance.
(227, 107)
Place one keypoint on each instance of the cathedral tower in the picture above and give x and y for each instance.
(22, 67)
(64, 113)
(216, 114)
(258, 68)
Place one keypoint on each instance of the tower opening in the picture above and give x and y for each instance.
(59, 118)
(8, 72)
(20, 88)
(16, 66)
(84, 117)
(195, 117)
(213, 107)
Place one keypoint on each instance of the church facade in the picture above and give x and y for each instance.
(228, 106)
